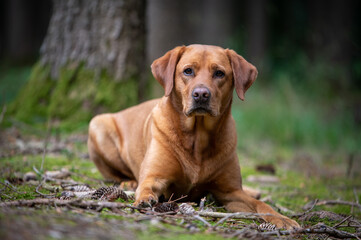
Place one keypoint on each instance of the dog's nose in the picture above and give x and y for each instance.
(201, 94)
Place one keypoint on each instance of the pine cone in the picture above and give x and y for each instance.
(186, 209)
(266, 227)
(80, 188)
(166, 207)
(84, 194)
(76, 187)
(109, 194)
(66, 195)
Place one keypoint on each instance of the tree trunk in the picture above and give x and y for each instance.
(92, 60)
(330, 39)
(256, 25)
(106, 34)
(173, 23)
(22, 20)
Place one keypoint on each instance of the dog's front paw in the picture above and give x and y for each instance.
(283, 222)
(146, 201)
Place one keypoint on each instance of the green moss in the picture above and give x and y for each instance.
(104, 214)
(293, 192)
(25, 192)
(179, 236)
(33, 100)
(61, 104)
(19, 164)
(77, 95)
(296, 190)
(80, 93)
(115, 95)
(173, 232)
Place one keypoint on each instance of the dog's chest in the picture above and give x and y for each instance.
(200, 164)
(197, 179)
(199, 155)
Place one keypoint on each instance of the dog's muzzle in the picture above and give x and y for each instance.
(201, 97)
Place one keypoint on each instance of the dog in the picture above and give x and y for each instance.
(185, 142)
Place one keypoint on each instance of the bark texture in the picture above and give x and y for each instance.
(105, 34)
(173, 23)
(92, 61)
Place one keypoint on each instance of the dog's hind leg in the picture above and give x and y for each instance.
(104, 146)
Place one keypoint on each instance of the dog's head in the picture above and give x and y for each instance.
(203, 77)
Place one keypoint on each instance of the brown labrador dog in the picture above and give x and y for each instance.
(185, 142)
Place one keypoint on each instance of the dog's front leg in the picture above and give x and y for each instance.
(158, 171)
(149, 190)
(239, 201)
(227, 189)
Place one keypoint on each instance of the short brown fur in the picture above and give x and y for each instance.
(176, 145)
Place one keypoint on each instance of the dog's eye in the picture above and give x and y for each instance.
(219, 74)
(188, 71)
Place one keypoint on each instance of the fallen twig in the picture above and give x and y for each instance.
(202, 220)
(223, 220)
(279, 207)
(338, 202)
(43, 194)
(316, 229)
(60, 181)
(76, 203)
(8, 196)
(321, 215)
(312, 207)
(113, 206)
(323, 229)
(201, 204)
(239, 215)
(307, 209)
(344, 220)
(175, 200)
(8, 185)
(356, 197)
(188, 210)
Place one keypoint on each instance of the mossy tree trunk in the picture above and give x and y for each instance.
(92, 60)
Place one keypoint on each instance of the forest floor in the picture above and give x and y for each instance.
(47, 185)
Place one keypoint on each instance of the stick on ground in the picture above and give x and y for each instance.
(338, 202)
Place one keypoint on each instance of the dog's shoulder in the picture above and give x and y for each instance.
(141, 109)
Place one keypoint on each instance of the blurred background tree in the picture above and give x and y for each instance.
(91, 60)
(95, 57)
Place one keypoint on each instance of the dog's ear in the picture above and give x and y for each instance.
(244, 73)
(163, 68)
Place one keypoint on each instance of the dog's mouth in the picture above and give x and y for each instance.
(199, 111)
